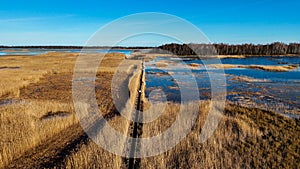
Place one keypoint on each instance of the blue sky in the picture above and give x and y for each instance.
(72, 23)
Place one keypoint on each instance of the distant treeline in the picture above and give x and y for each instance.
(276, 48)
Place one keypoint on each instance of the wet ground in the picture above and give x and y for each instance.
(276, 91)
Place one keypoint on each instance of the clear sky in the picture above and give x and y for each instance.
(71, 22)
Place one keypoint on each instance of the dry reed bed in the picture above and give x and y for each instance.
(281, 68)
(245, 138)
(93, 156)
(32, 68)
(44, 83)
(22, 126)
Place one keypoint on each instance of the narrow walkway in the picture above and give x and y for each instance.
(136, 132)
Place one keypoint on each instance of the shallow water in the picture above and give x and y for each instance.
(34, 52)
(259, 60)
(276, 91)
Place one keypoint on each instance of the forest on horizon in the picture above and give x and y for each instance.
(276, 48)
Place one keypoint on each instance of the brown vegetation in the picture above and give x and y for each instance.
(274, 68)
(43, 124)
(161, 64)
(42, 131)
(261, 67)
(248, 79)
(245, 138)
(195, 65)
(22, 126)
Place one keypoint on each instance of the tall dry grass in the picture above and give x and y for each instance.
(92, 155)
(31, 70)
(20, 71)
(245, 138)
(23, 127)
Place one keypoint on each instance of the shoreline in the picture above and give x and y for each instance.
(238, 56)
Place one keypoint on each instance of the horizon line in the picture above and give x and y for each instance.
(135, 46)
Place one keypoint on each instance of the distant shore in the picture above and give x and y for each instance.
(220, 50)
(245, 56)
(73, 47)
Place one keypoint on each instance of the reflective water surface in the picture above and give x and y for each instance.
(276, 91)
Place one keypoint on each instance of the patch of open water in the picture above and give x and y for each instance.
(276, 91)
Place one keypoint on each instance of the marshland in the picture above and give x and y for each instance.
(259, 126)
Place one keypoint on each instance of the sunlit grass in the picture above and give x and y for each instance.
(245, 138)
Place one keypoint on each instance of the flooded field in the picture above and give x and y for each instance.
(250, 86)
